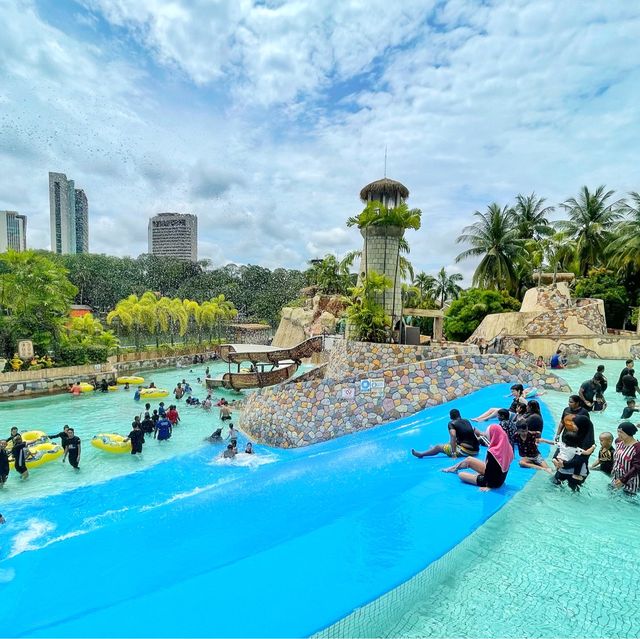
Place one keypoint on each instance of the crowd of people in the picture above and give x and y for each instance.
(157, 423)
(519, 429)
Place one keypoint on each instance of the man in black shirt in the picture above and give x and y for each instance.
(627, 367)
(14, 432)
(588, 392)
(462, 439)
(4, 462)
(73, 449)
(629, 384)
(20, 453)
(136, 437)
(600, 378)
(147, 425)
(63, 435)
(574, 408)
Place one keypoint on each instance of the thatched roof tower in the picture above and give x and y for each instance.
(390, 192)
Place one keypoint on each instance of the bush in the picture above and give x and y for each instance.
(80, 355)
(465, 314)
(604, 285)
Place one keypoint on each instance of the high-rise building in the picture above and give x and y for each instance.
(69, 219)
(13, 231)
(174, 235)
(82, 222)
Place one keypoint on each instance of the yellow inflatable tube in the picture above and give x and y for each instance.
(152, 393)
(111, 443)
(130, 379)
(112, 388)
(43, 453)
(85, 387)
(32, 437)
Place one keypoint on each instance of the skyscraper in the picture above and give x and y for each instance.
(82, 222)
(174, 235)
(69, 219)
(13, 231)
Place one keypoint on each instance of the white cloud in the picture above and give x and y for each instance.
(238, 126)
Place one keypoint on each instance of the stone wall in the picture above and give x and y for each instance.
(596, 346)
(348, 357)
(304, 413)
(50, 380)
(578, 320)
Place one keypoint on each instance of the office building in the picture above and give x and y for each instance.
(174, 235)
(13, 231)
(69, 219)
(82, 222)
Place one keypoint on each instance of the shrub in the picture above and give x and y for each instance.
(465, 314)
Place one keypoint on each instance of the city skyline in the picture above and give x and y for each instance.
(267, 122)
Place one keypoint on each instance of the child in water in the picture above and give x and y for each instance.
(605, 454)
(629, 409)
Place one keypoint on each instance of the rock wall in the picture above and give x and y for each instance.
(578, 320)
(299, 414)
(348, 357)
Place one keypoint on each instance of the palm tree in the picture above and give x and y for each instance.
(624, 249)
(590, 225)
(136, 315)
(530, 217)
(446, 286)
(377, 214)
(494, 238)
(425, 283)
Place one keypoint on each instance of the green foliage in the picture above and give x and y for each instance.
(495, 239)
(465, 314)
(590, 226)
(329, 275)
(78, 355)
(35, 295)
(377, 214)
(368, 321)
(605, 285)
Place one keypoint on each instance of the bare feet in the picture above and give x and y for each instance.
(548, 470)
(452, 469)
(415, 453)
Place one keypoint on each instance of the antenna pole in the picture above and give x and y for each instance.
(385, 160)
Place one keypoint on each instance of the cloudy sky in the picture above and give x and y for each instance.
(266, 118)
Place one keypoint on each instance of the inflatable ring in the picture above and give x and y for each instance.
(32, 437)
(152, 393)
(85, 387)
(43, 453)
(112, 388)
(530, 393)
(130, 380)
(111, 443)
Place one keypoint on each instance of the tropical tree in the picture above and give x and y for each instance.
(530, 217)
(330, 275)
(375, 213)
(87, 331)
(465, 314)
(425, 283)
(172, 318)
(494, 238)
(35, 296)
(624, 250)
(592, 219)
(446, 286)
(136, 316)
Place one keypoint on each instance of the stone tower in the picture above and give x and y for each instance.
(381, 250)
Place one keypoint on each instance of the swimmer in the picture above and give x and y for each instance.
(73, 449)
(163, 429)
(216, 436)
(14, 433)
(126, 387)
(63, 435)
(136, 437)
(230, 452)
(517, 392)
(20, 453)
(4, 463)
(136, 395)
(233, 436)
(248, 449)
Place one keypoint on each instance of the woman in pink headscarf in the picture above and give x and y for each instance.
(492, 472)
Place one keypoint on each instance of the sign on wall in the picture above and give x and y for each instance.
(25, 349)
(348, 393)
(373, 386)
(365, 385)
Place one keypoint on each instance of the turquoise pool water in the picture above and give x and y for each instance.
(549, 564)
(283, 543)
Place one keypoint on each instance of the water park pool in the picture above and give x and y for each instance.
(288, 542)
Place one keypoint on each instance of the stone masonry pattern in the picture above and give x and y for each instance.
(300, 414)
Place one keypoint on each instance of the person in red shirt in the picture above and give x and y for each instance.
(172, 415)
